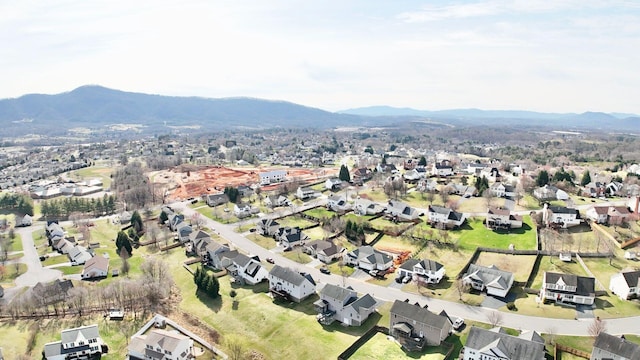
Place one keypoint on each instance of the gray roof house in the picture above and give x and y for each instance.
(159, 344)
(439, 215)
(76, 343)
(323, 250)
(497, 344)
(344, 305)
(289, 284)
(368, 258)
(425, 270)
(567, 288)
(614, 347)
(495, 281)
(416, 327)
(401, 211)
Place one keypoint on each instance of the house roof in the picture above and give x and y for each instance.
(498, 211)
(409, 264)
(601, 210)
(338, 293)
(563, 210)
(495, 341)
(371, 255)
(367, 302)
(584, 285)
(632, 278)
(419, 314)
(85, 332)
(96, 263)
(429, 265)
(617, 345)
(491, 276)
(439, 209)
(289, 275)
(166, 340)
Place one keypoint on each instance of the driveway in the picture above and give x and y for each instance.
(35, 272)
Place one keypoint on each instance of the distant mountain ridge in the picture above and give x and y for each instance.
(97, 109)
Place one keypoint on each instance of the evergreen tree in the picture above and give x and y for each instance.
(122, 241)
(232, 193)
(136, 222)
(422, 161)
(344, 173)
(543, 178)
(586, 178)
(213, 287)
(163, 217)
(133, 235)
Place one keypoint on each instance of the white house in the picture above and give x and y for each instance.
(497, 344)
(500, 189)
(96, 267)
(271, 177)
(368, 258)
(625, 284)
(598, 214)
(560, 216)
(549, 192)
(24, 220)
(567, 288)
(441, 170)
(333, 184)
(338, 204)
(161, 344)
(495, 281)
(275, 201)
(344, 305)
(243, 210)
(425, 270)
(401, 211)
(290, 284)
(307, 193)
(502, 218)
(445, 216)
(324, 250)
(367, 207)
(77, 343)
(242, 267)
(78, 255)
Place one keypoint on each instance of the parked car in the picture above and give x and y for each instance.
(325, 270)
(399, 279)
(406, 279)
(458, 323)
(270, 260)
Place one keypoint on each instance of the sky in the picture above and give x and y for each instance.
(539, 55)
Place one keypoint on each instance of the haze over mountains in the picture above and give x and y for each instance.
(98, 108)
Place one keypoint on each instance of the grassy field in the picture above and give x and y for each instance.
(99, 171)
(382, 348)
(475, 234)
(293, 221)
(320, 212)
(396, 244)
(382, 224)
(317, 233)
(264, 241)
(55, 260)
(297, 255)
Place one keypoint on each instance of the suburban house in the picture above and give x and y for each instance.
(50, 293)
(78, 255)
(625, 284)
(495, 281)
(325, 251)
(338, 204)
(401, 211)
(594, 189)
(307, 193)
(275, 201)
(445, 217)
(199, 240)
(425, 270)
(386, 168)
(609, 347)
(289, 237)
(217, 199)
(77, 343)
(96, 267)
(267, 227)
(567, 289)
(462, 190)
(243, 210)
(502, 219)
(496, 343)
(368, 258)
(272, 177)
(560, 216)
(612, 215)
(333, 184)
(441, 170)
(500, 189)
(290, 284)
(634, 204)
(475, 168)
(183, 231)
(367, 207)
(361, 175)
(344, 305)
(160, 344)
(210, 250)
(173, 220)
(549, 192)
(414, 175)
(245, 191)
(415, 327)
(242, 267)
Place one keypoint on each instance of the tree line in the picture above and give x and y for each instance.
(62, 208)
(21, 203)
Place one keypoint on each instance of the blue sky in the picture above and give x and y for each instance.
(541, 55)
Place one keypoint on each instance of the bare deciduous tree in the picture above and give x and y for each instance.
(495, 318)
(597, 326)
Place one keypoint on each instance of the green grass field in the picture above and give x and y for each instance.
(320, 212)
(379, 347)
(475, 234)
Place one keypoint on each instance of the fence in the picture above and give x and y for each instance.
(361, 341)
(572, 351)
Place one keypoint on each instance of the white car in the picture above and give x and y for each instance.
(457, 323)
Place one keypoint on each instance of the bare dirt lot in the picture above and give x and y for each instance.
(183, 182)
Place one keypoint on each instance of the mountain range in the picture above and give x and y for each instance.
(98, 108)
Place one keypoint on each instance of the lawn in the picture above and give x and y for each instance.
(577, 238)
(343, 270)
(297, 255)
(264, 241)
(396, 244)
(12, 271)
(317, 233)
(382, 224)
(293, 221)
(527, 305)
(55, 260)
(320, 213)
(16, 243)
(382, 347)
(474, 234)
(520, 265)
(553, 264)
(100, 171)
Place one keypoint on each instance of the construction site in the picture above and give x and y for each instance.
(187, 181)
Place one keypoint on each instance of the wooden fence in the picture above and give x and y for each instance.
(570, 350)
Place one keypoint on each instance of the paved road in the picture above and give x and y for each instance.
(513, 320)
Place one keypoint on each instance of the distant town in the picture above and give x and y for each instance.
(421, 240)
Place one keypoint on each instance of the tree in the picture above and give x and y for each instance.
(344, 174)
(163, 217)
(136, 222)
(422, 161)
(123, 242)
(213, 287)
(597, 326)
(586, 178)
(543, 178)
(124, 268)
(232, 193)
(236, 347)
(488, 196)
(494, 318)
(461, 287)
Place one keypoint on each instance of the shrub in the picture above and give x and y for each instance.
(512, 306)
